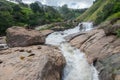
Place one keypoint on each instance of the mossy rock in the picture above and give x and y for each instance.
(111, 27)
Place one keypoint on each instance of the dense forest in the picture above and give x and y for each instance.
(32, 15)
(101, 10)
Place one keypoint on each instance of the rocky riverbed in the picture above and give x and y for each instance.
(103, 51)
(45, 62)
(31, 62)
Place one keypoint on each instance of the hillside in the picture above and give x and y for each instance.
(14, 13)
(101, 10)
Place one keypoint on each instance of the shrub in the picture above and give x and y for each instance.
(118, 33)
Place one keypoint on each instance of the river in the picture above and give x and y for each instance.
(77, 67)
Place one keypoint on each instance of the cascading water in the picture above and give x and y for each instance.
(77, 67)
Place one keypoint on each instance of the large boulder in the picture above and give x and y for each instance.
(18, 36)
(101, 50)
(31, 63)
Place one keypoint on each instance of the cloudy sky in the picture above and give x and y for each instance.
(70, 3)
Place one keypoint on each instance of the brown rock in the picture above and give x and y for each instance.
(46, 32)
(19, 37)
(3, 40)
(103, 51)
(46, 63)
(1, 61)
(117, 77)
(80, 40)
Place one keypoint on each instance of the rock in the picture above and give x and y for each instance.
(112, 29)
(3, 40)
(46, 32)
(1, 61)
(46, 63)
(117, 77)
(70, 37)
(21, 37)
(101, 50)
(82, 38)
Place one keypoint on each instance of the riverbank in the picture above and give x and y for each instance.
(28, 58)
(24, 53)
(102, 50)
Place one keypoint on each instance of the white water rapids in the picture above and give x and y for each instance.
(77, 67)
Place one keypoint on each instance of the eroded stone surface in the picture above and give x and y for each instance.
(31, 63)
(101, 50)
(21, 37)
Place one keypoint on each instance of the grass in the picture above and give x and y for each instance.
(101, 11)
(116, 15)
(90, 11)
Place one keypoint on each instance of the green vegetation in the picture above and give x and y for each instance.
(35, 14)
(118, 32)
(58, 26)
(69, 14)
(101, 11)
(115, 15)
(21, 15)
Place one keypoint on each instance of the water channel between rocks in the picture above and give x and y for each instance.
(77, 67)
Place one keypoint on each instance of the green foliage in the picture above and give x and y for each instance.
(36, 8)
(5, 22)
(115, 15)
(90, 11)
(118, 32)
(21, 15)
(69, 14)
(100, 11)
(34, 15)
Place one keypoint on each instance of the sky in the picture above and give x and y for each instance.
(71, 3)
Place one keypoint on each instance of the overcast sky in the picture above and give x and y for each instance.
(70, 3)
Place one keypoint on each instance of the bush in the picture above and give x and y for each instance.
(118, 33)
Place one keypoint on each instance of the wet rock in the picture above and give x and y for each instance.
(46, 63)
(21, 37)
(101, 50)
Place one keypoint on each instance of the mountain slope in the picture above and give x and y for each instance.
(101, 10)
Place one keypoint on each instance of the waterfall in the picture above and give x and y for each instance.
(77, 67)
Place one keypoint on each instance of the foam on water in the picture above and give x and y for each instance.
(77, 67)
(57, 37)
(3, 46)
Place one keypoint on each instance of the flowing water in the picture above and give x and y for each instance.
(77, 67)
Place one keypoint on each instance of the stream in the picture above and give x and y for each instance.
(77, 67)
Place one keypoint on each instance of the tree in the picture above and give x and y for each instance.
(6, 21)
(36, 8)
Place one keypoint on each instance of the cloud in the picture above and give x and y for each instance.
(70, 3)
